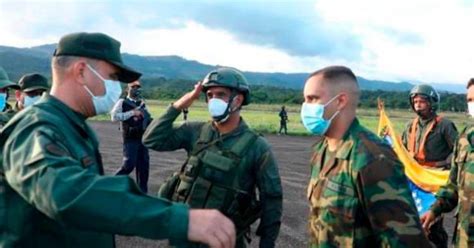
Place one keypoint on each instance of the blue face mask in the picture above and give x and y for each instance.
(312, 117)
(3, 101)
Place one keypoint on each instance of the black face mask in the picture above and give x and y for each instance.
(135, 92)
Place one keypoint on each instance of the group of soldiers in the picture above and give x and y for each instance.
(53, 191)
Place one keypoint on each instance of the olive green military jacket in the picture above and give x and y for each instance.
(261, 169)
(459, 191)
(439, 143)
(53, 192)
(359, 196)
(7, 115)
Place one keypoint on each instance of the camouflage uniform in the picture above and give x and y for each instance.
(257, 168)
(459, 191)
(359, 195)
(53, 192)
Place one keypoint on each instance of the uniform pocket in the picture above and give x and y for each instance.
(341, 207)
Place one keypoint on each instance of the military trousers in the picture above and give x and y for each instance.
(135, 156)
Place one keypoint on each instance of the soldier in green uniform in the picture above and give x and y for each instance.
(358, 192)
(32, 86)
(459, 191)
(430, 138)
(53, 192)
(6, 111)
(227, 162)
(28, 91)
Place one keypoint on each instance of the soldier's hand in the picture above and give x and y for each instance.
(211, 227)
(188, 99)
(427, 220)
(137, 113)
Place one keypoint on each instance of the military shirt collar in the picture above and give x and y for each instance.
(78, 119)
(344, 150)
(237, 131)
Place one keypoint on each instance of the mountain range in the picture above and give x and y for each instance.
(18, 61)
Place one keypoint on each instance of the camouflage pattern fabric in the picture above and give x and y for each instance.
(459, 191)
(359, 195)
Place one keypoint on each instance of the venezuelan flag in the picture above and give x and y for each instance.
(423, 182)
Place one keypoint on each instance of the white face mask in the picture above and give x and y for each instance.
(28, 101)
(104, 104)
(218, 109)
(470, 108)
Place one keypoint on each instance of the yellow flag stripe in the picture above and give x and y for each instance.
(427, 179)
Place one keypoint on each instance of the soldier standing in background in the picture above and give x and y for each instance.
(32, 86)
(134, 118)
(283, 120)
(6, 111)
(430, 138)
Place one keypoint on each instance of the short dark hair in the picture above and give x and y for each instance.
(470, 83)
(334, 73)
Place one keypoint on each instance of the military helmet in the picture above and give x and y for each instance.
(229, 78)
(428, 92)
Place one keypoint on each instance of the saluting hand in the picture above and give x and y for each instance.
(188, 99)
(212, 228)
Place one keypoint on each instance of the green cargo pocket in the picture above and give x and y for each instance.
(217, 161)
(216, 197)
(199, 192)
(341, 207)
(169, 186)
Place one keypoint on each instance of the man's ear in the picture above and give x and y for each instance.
(342, 100)
(78, 70)
(18, 95)
(238, 100)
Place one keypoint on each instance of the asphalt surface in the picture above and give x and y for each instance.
(292, 154)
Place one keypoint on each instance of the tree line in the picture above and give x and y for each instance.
(169, 89)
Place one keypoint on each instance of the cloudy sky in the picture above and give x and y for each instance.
(402, 40)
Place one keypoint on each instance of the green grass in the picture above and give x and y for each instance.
(264, 117)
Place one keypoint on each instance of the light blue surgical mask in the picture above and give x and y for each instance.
(312, 117)
(28, 101)
(3, 101)
(218, 109)
(104, 104)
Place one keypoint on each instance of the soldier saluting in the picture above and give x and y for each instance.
(227, 162)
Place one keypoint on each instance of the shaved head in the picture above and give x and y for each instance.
(339, 79)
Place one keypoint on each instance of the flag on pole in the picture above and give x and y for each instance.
(423, 182)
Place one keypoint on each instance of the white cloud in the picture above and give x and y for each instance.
(422, 40)
(443, 54)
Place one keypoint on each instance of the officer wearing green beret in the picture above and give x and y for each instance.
(227, 162)
(53, 192)
(430, 139)
(7, 111)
